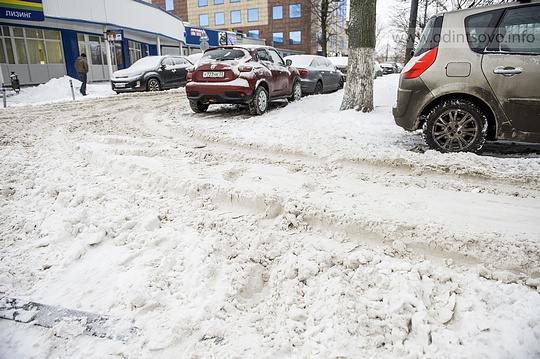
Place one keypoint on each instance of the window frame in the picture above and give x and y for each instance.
(274, 12)
(249, 12)
(282, 38)
(207, 20)
(291, 37)
(239, 16)
(291, 11)
(254, 31)
(216, 19)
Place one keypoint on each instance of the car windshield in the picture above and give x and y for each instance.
(224, 54)
(430, 36)
(300, 61)
(146, 62)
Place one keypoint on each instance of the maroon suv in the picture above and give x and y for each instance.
(251, 75)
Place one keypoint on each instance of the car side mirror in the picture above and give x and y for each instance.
(288, 62)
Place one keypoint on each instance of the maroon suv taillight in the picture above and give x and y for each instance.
(422, 64)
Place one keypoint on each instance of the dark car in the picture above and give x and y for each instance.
(341, 63)
(481, 83)
(389, 68)
(152, 73)
(248, 74)
(318, 74)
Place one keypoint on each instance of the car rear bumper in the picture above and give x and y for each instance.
(198, 91)
(308, 86)
(408, 109)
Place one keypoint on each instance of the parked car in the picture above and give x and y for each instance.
(317, 73)
(193, 58)
(341, 64)
(481, 83)
(248, 74)
(389, 68)
(152, 73)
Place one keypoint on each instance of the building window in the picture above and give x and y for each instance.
(203, 20)
(235, 0)
(277, 12)
(218, 2)
(253, 34)
(295, 37)
(236, 17)
(295, 10)
(219, 18)
(135, 51)
(203, 2)
(44, 46)
(253, 15)
(169, 5)
(277, 38)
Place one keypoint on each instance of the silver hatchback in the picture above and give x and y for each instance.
(475, 76)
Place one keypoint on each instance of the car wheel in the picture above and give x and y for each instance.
(198, 106)
(318, 88)
(153, 85)
(296, 92)
(455, 126)
(259, 104)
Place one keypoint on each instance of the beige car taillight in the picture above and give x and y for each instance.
(422, 64)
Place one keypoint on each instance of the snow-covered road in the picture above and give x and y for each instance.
(304, 232)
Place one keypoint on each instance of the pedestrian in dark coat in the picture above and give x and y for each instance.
(81, 65)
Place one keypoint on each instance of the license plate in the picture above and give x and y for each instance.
(119, 85)
(213, 74)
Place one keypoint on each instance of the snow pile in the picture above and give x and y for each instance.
(303, 233)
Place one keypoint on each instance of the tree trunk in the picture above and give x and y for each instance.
(324, 27)
(362, 30)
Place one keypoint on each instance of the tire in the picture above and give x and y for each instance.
(318, 88)
(455, 126)
(198, 107)
(153, 85)
(296, 92)
(259, 104)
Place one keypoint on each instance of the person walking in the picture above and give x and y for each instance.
(81, 65)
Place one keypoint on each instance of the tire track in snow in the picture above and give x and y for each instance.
(125, 128)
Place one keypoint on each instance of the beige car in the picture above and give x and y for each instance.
(475, 76)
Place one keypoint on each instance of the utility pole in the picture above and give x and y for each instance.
(411, 34)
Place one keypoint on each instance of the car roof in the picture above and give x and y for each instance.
(247, 47)
(480, 9)
(305, 56)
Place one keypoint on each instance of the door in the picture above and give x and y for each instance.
(511, 65)
(330, 76)
(281, 72)
(181, 65)
(167, 72)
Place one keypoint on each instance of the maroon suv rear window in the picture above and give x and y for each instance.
(224, 54)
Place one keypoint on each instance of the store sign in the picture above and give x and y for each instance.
(29, 10)
(114, 35)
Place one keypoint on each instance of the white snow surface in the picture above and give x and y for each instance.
(307, 232)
